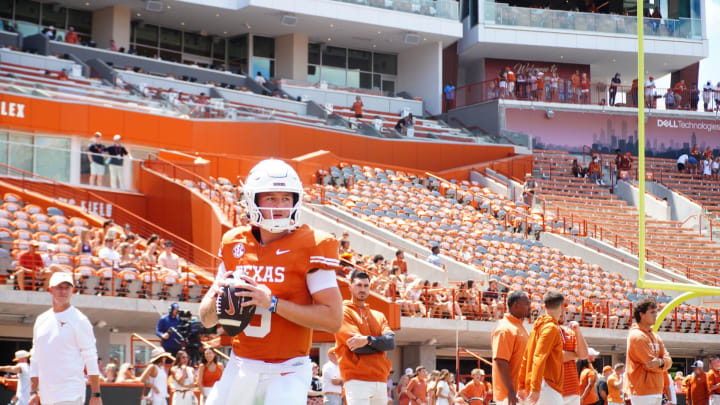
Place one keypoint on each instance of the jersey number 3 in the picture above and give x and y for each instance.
(259, 331)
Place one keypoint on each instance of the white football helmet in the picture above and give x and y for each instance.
(268, 176)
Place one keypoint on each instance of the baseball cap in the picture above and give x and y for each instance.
(607, 368)
(98, 134)
(698, 363)
(61, 277)
(593, 352)
(408, 371)
(116, 137)
(21, 354)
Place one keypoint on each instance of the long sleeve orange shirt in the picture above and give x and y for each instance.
(363, 367)
(543, 358)
(643, 346)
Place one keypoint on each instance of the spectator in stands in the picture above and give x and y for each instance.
(707, 168)
(595, 170)
(331, 380)
(490, 299)
(401, 393)
(614, 83)
(707, 96)
(650, 92)
(680, 93)
(521, 86)
(529, 187)
(126, 373)
(400, 262)
(169, 260)
(113, 46)
(716, 169)
(71, 36)
(634, 92)
(575, 85)
(417, 387)
(96, 158)
(30, 263)
(50, 32)
(717, 96)
(111, 373)
(577, 170)
(108, 256)
(165, 329)
(584, 88)
(378, 123)
(434, 257)
(474, 392)
(682, 162)
(508, 341)
(357, 107)
(127, 259)
(694, 96)
(449, 92)
(149, 258)
(116, 152)
(182, 380)
(155, 377)
(669, 99)
(259, 79)
(403, 123)
(588, 379)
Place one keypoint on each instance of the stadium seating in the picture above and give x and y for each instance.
(25, 222)
(584, 208)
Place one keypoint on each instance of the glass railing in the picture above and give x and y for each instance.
(503, 14)
(434, 8)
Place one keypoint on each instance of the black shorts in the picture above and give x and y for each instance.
(681, 167)
(358, 115)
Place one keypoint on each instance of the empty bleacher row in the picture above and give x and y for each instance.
(587, 209)
(72, 244)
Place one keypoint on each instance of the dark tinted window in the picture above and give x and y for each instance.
(384, 63)
(170, 39)
(81, 20)
(314, 54)
(264, 47)
(146, 34)
(361, 60)
(334, 56)
(54, 15)
(197, 44)
(26, 10)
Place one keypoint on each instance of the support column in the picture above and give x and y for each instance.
(111, 23)
(291, 56)
(102, 342)
(419, 355)
(420, 74)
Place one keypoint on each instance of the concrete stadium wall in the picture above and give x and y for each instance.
(654, 207)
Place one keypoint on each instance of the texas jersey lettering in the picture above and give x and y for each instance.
(282, 266)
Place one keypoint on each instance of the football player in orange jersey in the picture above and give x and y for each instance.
(288, 273)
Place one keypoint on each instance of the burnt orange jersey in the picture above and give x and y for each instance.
(283, 266)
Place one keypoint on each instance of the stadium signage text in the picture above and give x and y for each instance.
(8, 109)
(696, 125)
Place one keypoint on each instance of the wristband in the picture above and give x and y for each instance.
(273, 304)
(33, 392)
(95, 395)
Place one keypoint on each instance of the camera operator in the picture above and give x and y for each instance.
(166, 330)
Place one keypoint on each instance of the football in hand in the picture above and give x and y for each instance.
(233, 317)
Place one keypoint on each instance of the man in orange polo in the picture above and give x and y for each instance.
(541, 371)
(474, 392)
(647, 360)
(508, 340)
(417, 387)
(615, 385)
(360, 346)
(696, 385)
(713, 380)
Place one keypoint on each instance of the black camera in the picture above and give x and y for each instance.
(188, 333)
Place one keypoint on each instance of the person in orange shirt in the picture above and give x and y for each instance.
(71, 37)
(541, 371)
(588, 380)
(713, 380)
(585, 88)
(287, 271)
(360, 346)
(615, 384)
(696, 385)
(508, 340)
(575, 85)
(417, 387)
(647, 360)
(679, 90)
(474, 393)
(357, 107)
(400, 262)
(574, 349)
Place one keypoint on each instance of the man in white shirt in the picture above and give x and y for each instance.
(259, 79)
(108, 255)
(167, 259)
(63, 346)
(331, 381)
(22, 370)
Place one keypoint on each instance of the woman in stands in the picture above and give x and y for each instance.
(126, 373)
(182, 380)
(127, 259)
(401, 389)
(209, 372)
(84, 245)
(149, 258)
(443, 394)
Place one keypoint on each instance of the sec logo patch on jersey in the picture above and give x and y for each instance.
(238, 250)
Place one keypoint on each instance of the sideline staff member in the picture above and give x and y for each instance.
(63, 345)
